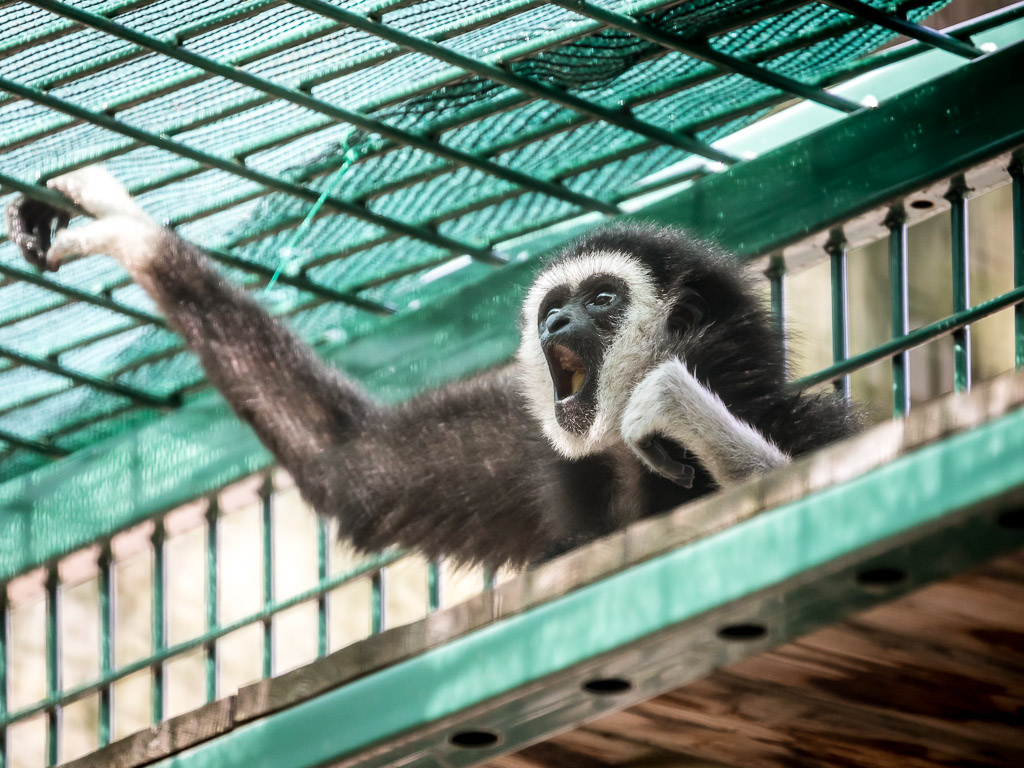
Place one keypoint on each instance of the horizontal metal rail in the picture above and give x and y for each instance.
(213, 633)
(28, 444)
(136, 395)
(490, 71)
(280, 185)
(914, 31)
(703, 51)
(302, 99)
(915, 338)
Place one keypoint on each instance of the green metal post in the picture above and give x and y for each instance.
(159, 619)
(53, 684)
(323, 571)
(836, 247)
(776, 274)
(267, 500)
(896, 221)
(957, 196)
(106, 603)
(1017, 184)
(210, 649)
(378, 595)
(433, 585)
(3, 674)
(489, 578)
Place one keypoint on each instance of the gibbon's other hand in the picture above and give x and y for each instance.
(121, 228)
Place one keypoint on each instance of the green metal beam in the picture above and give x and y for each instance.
(496, 73)
(705, 52)
(864, 161)
(931, 513)
(300, 191)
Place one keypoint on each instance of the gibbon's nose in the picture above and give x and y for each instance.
(556, 321)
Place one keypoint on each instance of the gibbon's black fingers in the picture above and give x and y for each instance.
(32, 226)
(655, 451)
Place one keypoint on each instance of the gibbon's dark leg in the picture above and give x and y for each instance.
(670, 402)
(421, 476)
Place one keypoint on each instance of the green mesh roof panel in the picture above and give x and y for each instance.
(433, 131)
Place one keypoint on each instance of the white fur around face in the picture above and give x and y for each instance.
(635, 349)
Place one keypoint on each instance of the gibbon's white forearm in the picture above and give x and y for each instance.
(671, 402)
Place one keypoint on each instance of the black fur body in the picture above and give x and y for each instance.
(466, 472)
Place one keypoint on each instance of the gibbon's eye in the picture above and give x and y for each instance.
(690, 311)
(603, 298)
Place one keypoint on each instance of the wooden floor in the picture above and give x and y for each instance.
(933, 679)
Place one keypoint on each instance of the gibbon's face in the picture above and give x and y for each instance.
(592, 326)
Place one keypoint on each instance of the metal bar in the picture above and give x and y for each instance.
(158, 630)
(210, 648)
(158, 658)
(106, 606)
(280, 185)
(896, 221)
(702, 50)
(433, 586)
(776, 274)
(836, 249)
(53, 676)
(961, 254)
(526, 85)
(916, 337)
(323, 567)
(489, 579)
(267, 508)
(929, 133)
(909, 29)
(935, 506)
(139, 396)
(32, 445)
(1016, 170)
(3, 674)
(303, 99)
(378, 601)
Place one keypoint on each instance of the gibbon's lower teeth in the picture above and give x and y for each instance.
(577, 380)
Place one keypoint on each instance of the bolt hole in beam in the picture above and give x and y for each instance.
(473, 739)
(1012, 519)
(922, 205)
(747, 631)
(882, 577)
(607, 686)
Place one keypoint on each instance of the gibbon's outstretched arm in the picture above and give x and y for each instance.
(295, 403)
(392, 476)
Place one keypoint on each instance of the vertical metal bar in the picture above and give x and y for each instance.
(1016, 170)
(106, 605)
(323, 567)
(210, 648)
(776, 274)
(489, 578)
(53, 684)
(836, 248)
(961, 254)
(896, 221)
(159, 629)
(377, 598)
(267, 499)
(3, 673)
(433, 585)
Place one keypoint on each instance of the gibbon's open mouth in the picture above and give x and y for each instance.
(567, 371)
